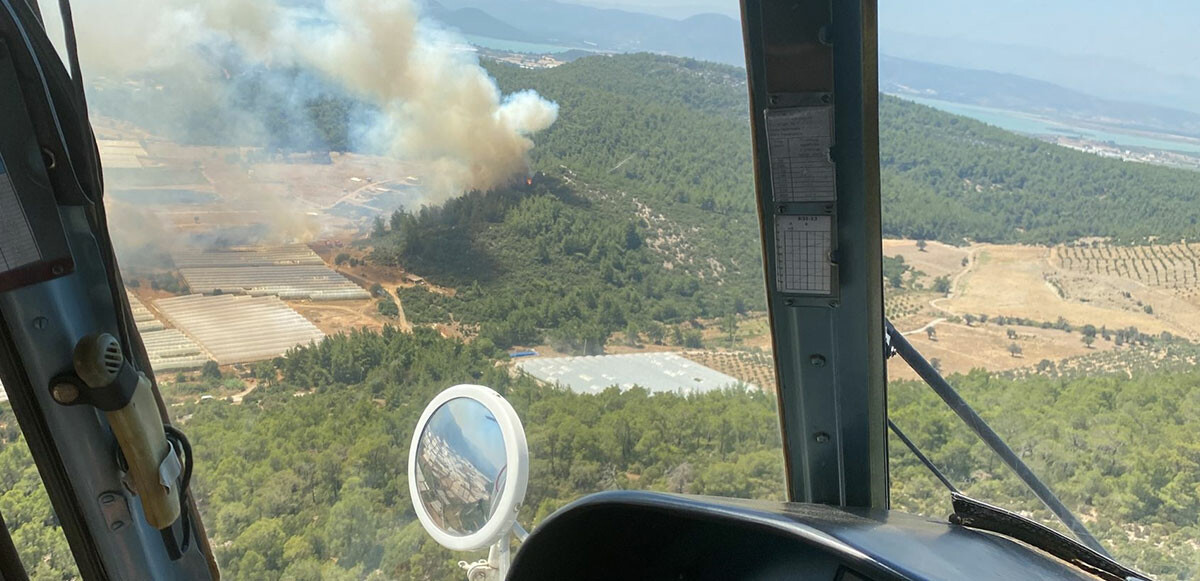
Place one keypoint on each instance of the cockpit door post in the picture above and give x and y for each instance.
(813, 77)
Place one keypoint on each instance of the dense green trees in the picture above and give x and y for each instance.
(990, 185)
(534, 263)
(26, 508)
(1118, 450)
(663, 139)
(306, 478)
(894, 269)
(674, 132)
(649, 164)
(289, 483)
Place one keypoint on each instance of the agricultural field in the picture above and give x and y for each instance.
(168, 202)
(1166, 265)
(1164, 276)
(755, 368)
(168, 194)
(1023, 281)
(1163, 357)
(958, 348)
(239, 328)
(909, 309)
(1149, 288)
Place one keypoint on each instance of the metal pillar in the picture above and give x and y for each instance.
(812, 66)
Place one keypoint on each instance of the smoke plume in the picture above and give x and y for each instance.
(430, 99)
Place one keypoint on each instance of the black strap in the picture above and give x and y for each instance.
(972, 513)
(11, 568)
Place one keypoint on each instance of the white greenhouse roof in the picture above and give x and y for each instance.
(239, 328)
(656, 372)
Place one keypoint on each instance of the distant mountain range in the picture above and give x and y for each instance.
(718, 38)
(711, 37)
(1134, 79)
(1017, 93)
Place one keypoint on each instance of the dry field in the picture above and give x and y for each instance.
(936, 260)
(912, 308)
(1022, 281)
(959, 348)
(1167, 276)
(339, 316)
(1154, 289)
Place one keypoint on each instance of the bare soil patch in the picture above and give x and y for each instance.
(338, 316)
(1019, 281)
(959, 348)
(936, 260)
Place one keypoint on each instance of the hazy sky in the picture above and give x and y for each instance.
(669, 8)
(1161, 34)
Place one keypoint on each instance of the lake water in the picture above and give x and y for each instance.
(516, 45)
(1034, 125)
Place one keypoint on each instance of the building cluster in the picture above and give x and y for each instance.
(455, 493)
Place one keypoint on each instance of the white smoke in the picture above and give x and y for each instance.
(437, 104)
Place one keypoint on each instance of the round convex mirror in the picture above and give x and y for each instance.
(468, 467)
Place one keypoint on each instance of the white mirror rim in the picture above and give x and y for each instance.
(515, 481)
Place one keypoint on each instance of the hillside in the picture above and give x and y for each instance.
(684, 122)
(643, 206)
(639, 219)
(645, 235)
(539, 263)
(989, 185)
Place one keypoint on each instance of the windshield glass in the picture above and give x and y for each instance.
(1040, 209)
(326, 212)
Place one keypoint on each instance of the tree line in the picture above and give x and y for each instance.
(306, 479)
(540, 263)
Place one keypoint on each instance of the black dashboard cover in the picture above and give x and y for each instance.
(648, 535)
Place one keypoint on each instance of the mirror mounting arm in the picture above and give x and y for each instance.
(478, 571)
(493, 568)
(519, 532)
(499, 557)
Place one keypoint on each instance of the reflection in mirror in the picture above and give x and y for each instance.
(461, 466)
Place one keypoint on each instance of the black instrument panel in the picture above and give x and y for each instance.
(654, 536)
